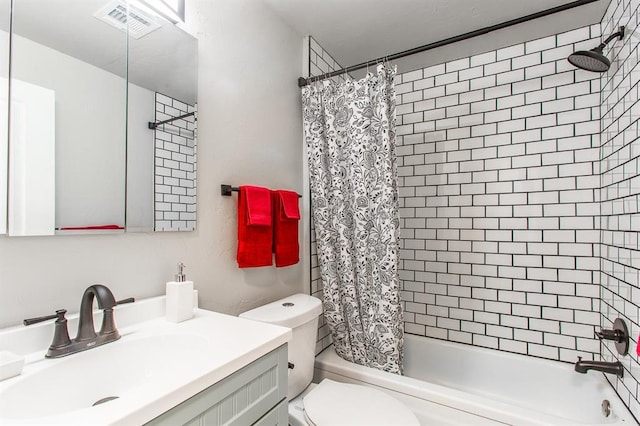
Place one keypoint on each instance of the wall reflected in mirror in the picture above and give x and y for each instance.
(68, 119)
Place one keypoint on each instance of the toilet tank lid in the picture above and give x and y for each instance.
(289, 312)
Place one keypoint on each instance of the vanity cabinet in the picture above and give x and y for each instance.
(254, 395)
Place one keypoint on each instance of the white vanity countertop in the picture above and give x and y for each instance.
(155, 366)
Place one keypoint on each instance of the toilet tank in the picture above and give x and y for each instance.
(300, 313)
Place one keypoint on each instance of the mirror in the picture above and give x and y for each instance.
(4, 110)
(79, 128)
(163, 74)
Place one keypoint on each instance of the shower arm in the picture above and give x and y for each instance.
(619, 35)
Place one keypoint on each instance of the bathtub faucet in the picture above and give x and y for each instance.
(606, 367)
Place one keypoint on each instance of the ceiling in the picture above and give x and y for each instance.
(164, 60)
(355, 31)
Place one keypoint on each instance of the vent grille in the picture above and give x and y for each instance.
(115, 14)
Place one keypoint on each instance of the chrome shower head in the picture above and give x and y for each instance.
(594, 60)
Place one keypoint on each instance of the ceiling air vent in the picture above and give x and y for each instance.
(140, 22)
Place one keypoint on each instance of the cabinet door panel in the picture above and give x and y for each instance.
(241, 399)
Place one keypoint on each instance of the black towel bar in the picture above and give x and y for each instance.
(227, 190)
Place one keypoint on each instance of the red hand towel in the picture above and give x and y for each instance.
(258, 205)
(285, 234)
(255, 230)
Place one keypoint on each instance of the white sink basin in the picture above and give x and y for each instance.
(77, 382)
(153, 367)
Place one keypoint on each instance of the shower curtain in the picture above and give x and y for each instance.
(349, 129)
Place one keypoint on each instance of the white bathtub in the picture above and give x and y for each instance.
(453, 384)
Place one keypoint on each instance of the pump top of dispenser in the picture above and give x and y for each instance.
(181, 276)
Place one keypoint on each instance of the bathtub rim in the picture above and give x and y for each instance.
(452, 398)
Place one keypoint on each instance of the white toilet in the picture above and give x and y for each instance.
(328, 403)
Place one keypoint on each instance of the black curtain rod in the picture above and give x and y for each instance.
(305, 81)
(152, 126)
(227, 190)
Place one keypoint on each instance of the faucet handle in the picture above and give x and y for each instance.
(619, 334)
(108, 323)
(615, 335)
(60, 332)
(59, 315)
(61, 338)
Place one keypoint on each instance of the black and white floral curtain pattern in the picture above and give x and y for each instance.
(349, 128)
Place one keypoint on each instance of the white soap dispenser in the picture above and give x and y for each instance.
(179, 297)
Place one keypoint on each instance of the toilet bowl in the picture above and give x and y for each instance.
(328, 403)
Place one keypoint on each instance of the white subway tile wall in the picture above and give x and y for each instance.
(320, 61)
(520, 198)
(499, 175)
(175, 166)
(620, 194)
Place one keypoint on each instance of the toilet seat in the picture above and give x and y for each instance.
(333, 403)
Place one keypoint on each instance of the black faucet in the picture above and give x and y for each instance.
(87, 337)
(106, 302)
(605, 367)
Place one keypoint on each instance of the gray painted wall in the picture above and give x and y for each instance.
(249, 133)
